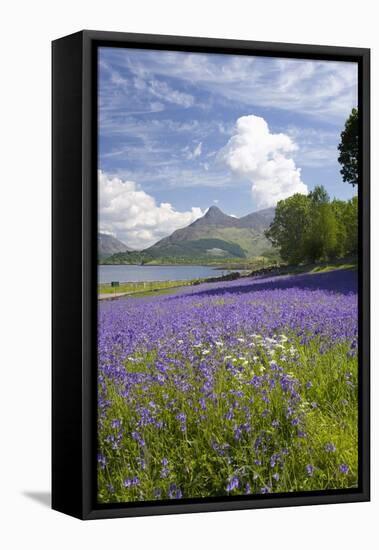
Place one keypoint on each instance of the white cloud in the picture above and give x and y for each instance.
(156, 107)
(125, 210)
(197, 150)
(263, 158)
(326, 89)
(192, 154)
(163, 91)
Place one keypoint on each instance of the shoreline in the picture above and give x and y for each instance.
(273, 272)
(214, 266)
(162, 287)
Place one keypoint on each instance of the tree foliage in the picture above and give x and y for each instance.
(288, 230)
(349, 149)
(309, 228)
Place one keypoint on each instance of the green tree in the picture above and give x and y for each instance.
(319, 195)
(349, 149)
(311, 228)
(321, 238)
(288, 230)
(351, 226)
(339, 212)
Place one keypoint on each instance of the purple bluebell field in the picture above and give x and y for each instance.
(229, 388)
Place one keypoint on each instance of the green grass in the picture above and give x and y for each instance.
(140, 287)
(319, 267)
(332, 267)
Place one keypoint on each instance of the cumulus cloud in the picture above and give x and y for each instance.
(264, 159)
(128, 212)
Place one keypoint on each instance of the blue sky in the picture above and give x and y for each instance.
(179, 132)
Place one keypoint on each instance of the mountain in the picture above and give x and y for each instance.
(107, 245)
(217, 234)
(213, 236)
(258, 221)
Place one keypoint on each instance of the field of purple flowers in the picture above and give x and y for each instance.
(229, 388)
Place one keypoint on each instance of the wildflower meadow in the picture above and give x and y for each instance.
(230, 388)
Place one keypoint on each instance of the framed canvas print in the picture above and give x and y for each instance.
(210, 274)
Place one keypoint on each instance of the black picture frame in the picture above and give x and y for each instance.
(74, 272)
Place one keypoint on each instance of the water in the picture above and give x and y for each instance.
(137, 273)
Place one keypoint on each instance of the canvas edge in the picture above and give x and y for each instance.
(84, 497)
(67, 129)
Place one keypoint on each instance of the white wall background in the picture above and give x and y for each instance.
(26, 31)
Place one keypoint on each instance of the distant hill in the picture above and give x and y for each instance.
(245, 234)
(213, 236)
(107, 245)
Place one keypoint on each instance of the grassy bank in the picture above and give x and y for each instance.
(137, 287)
(147, 287)
(319, 267)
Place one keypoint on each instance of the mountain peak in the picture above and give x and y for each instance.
(108, 245)
(216, 234)
(213, 211)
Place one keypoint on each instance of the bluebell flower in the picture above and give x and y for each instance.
(174, 491)
(233, 484)
(330, 448)
(102, 460)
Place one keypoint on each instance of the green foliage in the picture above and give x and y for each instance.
(288, 230)
(321, 231)
(351, 223)
(349, 149)
(346, 214)
(312, 228)
(338, 210)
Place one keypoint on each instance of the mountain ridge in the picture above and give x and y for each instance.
(215, 217)
(215, 235)
(107, 245)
